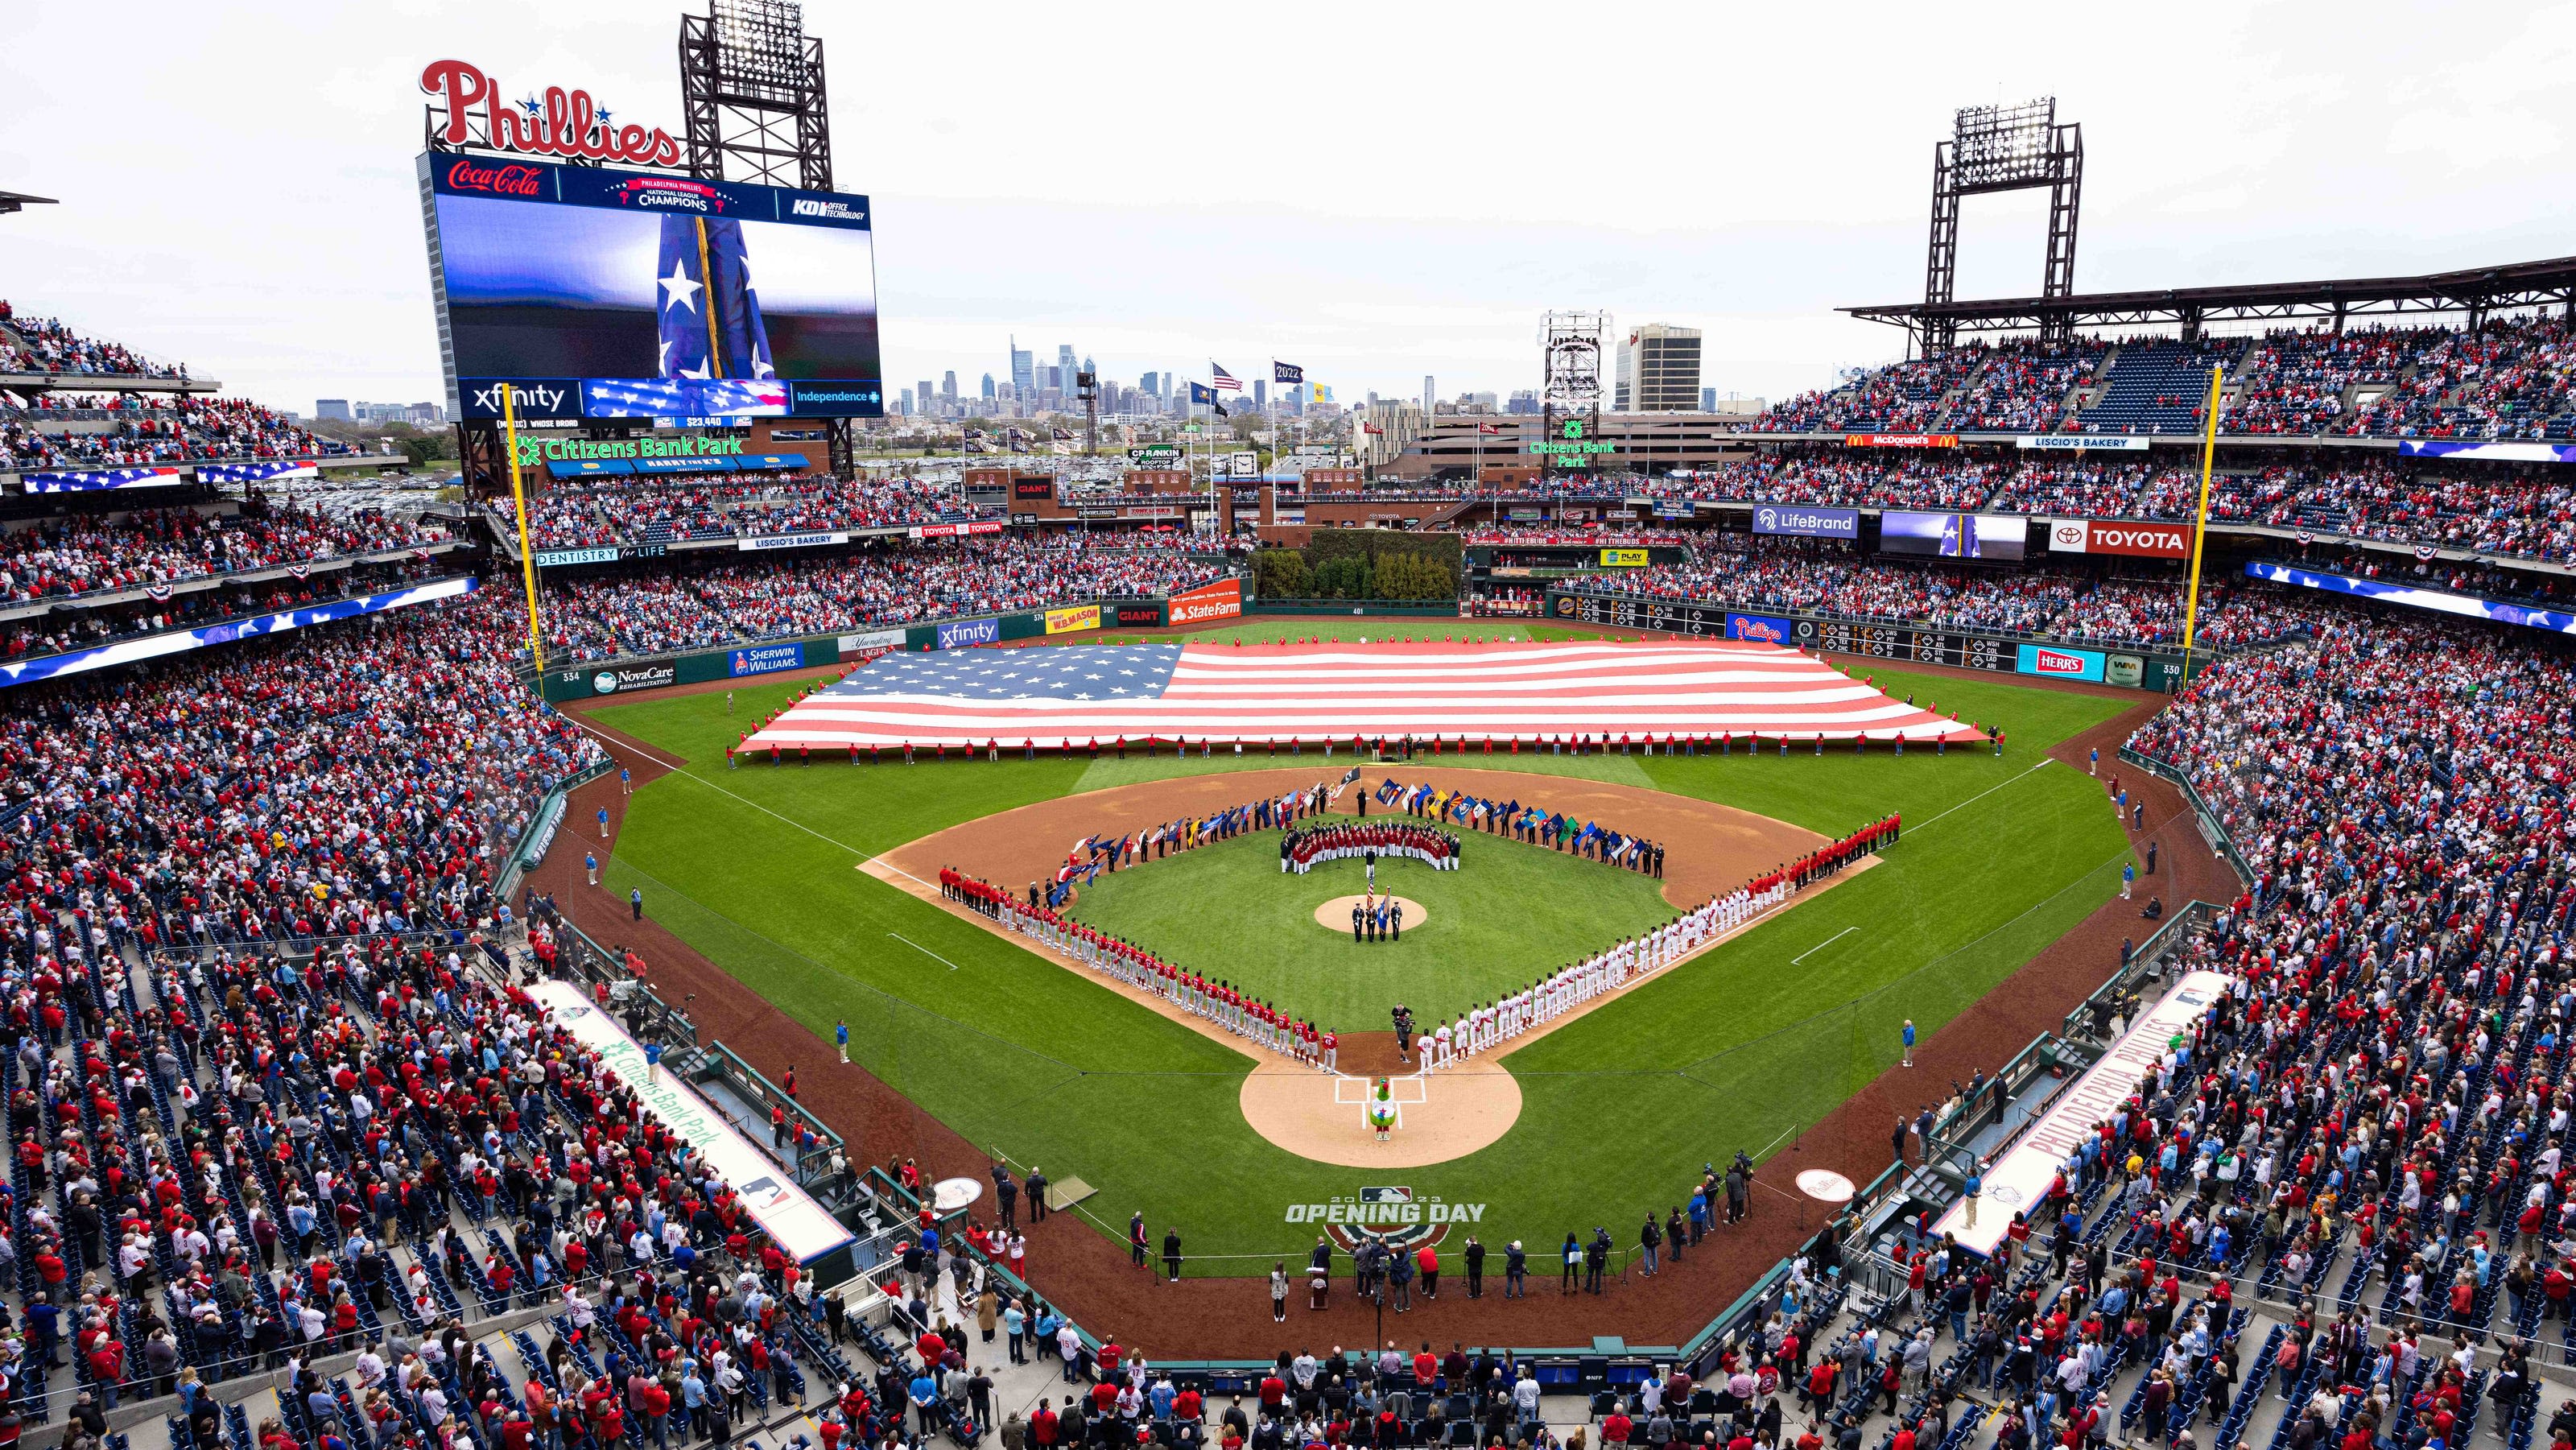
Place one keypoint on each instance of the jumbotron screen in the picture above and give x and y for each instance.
(598, 293)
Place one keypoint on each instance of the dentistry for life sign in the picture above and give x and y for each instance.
(799, 1225)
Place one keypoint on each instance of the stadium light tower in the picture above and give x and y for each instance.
(751, 95)
(1571, 343)
(2003, 148)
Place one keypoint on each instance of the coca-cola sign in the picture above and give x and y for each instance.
(561, 123)
(467, 174)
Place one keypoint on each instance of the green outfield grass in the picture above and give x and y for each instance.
(757, 868)
(1228, 911)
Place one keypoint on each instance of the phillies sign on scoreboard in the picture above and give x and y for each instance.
(563, 123)
(2120, 536)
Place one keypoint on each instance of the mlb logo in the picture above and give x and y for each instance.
(1386, 1195)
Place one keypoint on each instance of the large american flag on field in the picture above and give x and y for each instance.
(1069, 696)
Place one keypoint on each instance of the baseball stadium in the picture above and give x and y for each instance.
(693, 892)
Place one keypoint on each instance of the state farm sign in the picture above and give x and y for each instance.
(2097, 536)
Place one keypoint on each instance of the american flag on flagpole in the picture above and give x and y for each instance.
(1224, 382)
(1070, 696)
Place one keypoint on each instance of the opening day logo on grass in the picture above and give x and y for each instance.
(1392, 1216)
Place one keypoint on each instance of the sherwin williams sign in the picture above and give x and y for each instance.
(2062, 664)
(1816, 523)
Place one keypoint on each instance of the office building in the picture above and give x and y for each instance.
(988, 387)
(1430, 395)
(948, 387)
(1151, 386)
(1658, 370)
(335, 410)
(929, 399)
(1022, 370)
(1261, 395)
(904, 403)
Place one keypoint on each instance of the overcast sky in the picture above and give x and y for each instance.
(1373, 191)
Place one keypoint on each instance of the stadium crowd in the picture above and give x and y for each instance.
(574, 514)
(686, 609)
(2506, 378)
(158, 430)
(75, 554)
(46, 345)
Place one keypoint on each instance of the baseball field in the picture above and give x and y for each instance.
(789, 878)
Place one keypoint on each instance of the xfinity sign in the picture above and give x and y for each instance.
(1818, 523)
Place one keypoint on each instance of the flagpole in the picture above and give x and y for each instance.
(527, 560)
(2200, 522)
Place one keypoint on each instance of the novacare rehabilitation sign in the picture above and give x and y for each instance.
(801, 1228)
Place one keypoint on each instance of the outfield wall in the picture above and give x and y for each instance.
(1897, 643)
(629, 674)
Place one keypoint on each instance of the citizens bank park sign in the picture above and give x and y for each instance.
(1396, 1217)
(561, 123)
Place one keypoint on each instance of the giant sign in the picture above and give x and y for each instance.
(2018, 1178)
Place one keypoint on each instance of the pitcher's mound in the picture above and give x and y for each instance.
(1335, 915)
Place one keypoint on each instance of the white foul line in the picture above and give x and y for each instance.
(1981, 795)
(1820, 946)
(683, 773)
(925, 951)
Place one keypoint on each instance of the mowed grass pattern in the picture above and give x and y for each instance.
(756, 867)
(1509, 915)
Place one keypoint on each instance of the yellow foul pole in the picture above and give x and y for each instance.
(527, 559)
(2200, 520)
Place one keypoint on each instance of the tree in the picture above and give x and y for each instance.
(1282, 574)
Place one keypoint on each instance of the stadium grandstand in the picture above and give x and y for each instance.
(348, 1112)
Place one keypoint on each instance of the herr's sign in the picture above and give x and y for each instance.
(563, 123)
(2119, 536)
